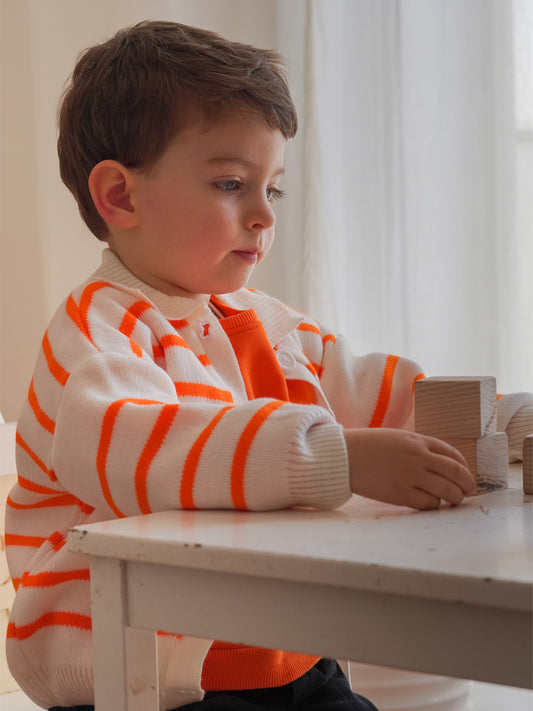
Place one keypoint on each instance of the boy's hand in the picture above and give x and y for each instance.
(406, 469)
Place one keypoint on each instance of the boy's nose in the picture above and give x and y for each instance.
(261, 216)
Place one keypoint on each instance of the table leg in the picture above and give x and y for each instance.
(125, 658)
(108, 606)
(143, 674)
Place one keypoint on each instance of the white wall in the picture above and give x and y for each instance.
(45, 248)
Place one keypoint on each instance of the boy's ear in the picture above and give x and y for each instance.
(110, 184)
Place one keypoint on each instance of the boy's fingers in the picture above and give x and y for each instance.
(447, 490)
(423, 500)
(449, 463)
(452, 471)
(439, 446)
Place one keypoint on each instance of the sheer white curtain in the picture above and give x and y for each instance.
(415, 232)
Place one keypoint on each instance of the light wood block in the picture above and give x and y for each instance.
(527, 464)
(487, 458)
(456, 406)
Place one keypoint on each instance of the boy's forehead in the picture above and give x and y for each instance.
(233, 139)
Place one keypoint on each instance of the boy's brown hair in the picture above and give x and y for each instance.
(130, 95)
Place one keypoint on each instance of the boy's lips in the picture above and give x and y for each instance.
(250, 255)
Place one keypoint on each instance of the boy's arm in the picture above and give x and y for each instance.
(126, 443)
(372, 396)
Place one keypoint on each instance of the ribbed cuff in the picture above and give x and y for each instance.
(319, 477)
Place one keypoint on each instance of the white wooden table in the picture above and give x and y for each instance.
(448, 592)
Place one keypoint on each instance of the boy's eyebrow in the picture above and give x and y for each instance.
(241, 161)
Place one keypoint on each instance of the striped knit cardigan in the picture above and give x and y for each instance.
(128, 413)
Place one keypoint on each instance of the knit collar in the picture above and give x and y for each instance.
(172, 307)
(278, 319)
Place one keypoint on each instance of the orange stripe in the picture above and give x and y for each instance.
(210, 392)
(85, 508)
(316, 369)
(108, 425)
(384, 392)
(242, 449)
(328, 338)
(129, 321)
(49, 473)
(57, 370)
(132, 315)
(14, 539)
(313, 368)
(49, 619)
(41, 416)
(157, 351)
(127, 326)
(73, 312)
(191, 463)
(86, 299)
(172, 339)
(60, 500)
(57, 540)
(135, 348)
(160, 431)
(46, 580)
(78, 313)
(308, 327)
(179, 323)
(36, 488)
(204, 360)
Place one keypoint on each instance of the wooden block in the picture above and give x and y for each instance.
(456, 406)
(527, 464)
(487, 458)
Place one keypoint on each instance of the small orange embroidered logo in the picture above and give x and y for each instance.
(205, 329)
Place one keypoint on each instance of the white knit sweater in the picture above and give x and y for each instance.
(128, 414)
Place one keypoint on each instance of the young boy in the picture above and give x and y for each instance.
(163, 383)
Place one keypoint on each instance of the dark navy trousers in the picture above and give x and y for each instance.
(323, 688)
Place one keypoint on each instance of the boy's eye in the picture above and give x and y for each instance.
(274, 194)
(232, 185)
(229, 186)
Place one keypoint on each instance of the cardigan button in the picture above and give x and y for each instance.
(286, 360)
(204, 327)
